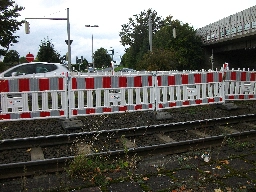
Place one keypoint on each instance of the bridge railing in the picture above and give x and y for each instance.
(93, 94)
(238, 24)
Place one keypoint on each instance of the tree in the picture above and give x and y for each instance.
(187, 45)
(158, 60)
(9, 11)
(135, 35)
(101, 58)
(47, 53)
(12, 57)
(23, 60)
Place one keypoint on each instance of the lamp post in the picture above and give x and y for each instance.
(92, 42)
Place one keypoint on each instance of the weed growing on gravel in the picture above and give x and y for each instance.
(237, 145)
(89, 168)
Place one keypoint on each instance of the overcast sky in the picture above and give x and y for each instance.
(109, 15)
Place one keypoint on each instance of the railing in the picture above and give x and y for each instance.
(236, 25)
(96, 94)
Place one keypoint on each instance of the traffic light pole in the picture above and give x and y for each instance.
(68, 31)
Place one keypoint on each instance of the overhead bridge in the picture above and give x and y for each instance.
(231, 39)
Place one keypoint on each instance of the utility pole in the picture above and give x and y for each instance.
(69, 47)
(150, 32)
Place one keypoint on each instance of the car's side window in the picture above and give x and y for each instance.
(42, 68)
(20, 70)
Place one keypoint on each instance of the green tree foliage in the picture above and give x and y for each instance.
(23, 60)
(102, 58)
(135, 35)
(9, 11)
(12, 57)
(185, 49)
(81, 65)
(2, 66)
(158, 60)
(186, 45)
(47, 53)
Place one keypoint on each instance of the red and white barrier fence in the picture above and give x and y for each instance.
(95, 94)
(33, 98)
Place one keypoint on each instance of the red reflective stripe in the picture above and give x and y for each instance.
(107, 109)
(73, 83)
(62, 113)
(45, 114)
(172, 104)
(198, 101)
(233, 75)
(253, 76)
(74, 112)
(150, 81)
(209, 77)
(185, 103)
(160, 106)
(251, 96)
(5, 116)
(241, 96)
(171, 80)
(89, 111)
(197, 78)
(150, 106)
(61, 86)
(122, 81)
(136, 107)
(210, 100)
(23, 85)
(159, 80)
(89, 81)
(4, 86)
(231, 97)
(43, 84)
(184, 78)
(243, 76)
(123, 108)
(106, 82)
(137, 81)
(25, 115)
(220, 77)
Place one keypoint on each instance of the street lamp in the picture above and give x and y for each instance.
(92, 41)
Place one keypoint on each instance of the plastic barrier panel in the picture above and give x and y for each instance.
(105, 94)
(240, 85)
(33, 98)
(189, 89)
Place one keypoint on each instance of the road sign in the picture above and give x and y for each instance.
(30, 57)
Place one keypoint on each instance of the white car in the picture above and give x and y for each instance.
(37, 69)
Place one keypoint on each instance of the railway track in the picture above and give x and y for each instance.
(51, 153)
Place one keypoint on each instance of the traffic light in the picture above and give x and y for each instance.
(27, 28)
